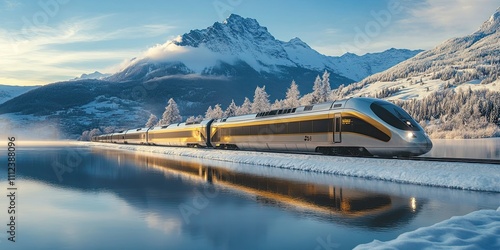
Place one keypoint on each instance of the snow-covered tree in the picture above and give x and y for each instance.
(245, 108)
(84, 136)
(214, 113)
(208, 113)
(278, 104)
(87, 135)
(260, 100)
(109, 129)
(193, 119)
(317, 93)
(94, 132)
(231, 109)
(292, 96)
(325, 87)
(171, 114)
(217, 112)
(152, 121)
(307, 99)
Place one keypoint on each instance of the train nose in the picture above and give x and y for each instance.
(428, 144)
(420, 142)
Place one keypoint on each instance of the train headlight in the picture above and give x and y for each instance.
(411, 135)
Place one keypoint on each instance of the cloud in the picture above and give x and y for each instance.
(41, 51)
(195, 58)
(419, 25)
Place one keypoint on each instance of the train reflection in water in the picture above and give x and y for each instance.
(345, 205)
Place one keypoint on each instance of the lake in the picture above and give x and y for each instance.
(71, 197)
(466, 148)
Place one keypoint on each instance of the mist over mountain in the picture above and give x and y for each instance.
(225, 61)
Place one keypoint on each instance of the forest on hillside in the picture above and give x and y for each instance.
(448, 113)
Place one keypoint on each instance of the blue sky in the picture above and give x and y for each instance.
(53, 40)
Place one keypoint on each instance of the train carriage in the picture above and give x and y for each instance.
(180, 134)
(118, 137)
(136, 136)
(359, 126)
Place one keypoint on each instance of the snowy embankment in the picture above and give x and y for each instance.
(477, 230)
(479, 177)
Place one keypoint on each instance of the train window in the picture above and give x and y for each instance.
(294, 127)
(394, 116)
(307, 108)
(293, 110)
(322, 125)
(337, 105)
(306, 127)
(360, 126)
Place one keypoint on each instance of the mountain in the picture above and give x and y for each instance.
(240, 46)
(96, 75)
(470, 61)
(8, 92)
(452, 89)
(225, 61)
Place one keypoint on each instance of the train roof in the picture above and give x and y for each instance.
(287, 111)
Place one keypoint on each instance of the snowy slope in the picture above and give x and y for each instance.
(471, 61)
(477, 230)
(8, 92)
(243, 41)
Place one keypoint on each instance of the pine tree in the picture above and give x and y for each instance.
(208, 113)
(94, 132)
(217, 112)
(278, 104)
(325, 87)
(317, 91)
(246, 107)
(152, 121)
(171, 114)
(84, 136)
(292, 96)
(231, 109)
(260, 100)
(193, 119)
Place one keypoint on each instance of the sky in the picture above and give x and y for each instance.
(46, 41)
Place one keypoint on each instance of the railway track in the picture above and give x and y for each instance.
(412, 158)
(448, 159)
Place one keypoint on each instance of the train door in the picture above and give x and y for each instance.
(337, 129)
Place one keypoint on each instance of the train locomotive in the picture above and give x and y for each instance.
(355, 126)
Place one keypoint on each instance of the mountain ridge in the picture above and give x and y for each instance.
(243, 41)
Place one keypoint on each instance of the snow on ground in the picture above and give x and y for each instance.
(477, 230)
(479, 177)
(419, 87)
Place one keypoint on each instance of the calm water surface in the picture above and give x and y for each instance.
(81, 198)
(467, 148)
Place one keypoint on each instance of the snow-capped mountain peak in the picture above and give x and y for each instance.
(243, 44)
(96, 75)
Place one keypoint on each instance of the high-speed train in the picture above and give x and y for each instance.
(355, 126)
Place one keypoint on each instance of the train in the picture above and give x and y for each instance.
(358, 126)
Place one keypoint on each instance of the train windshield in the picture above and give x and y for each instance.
(394, 116)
